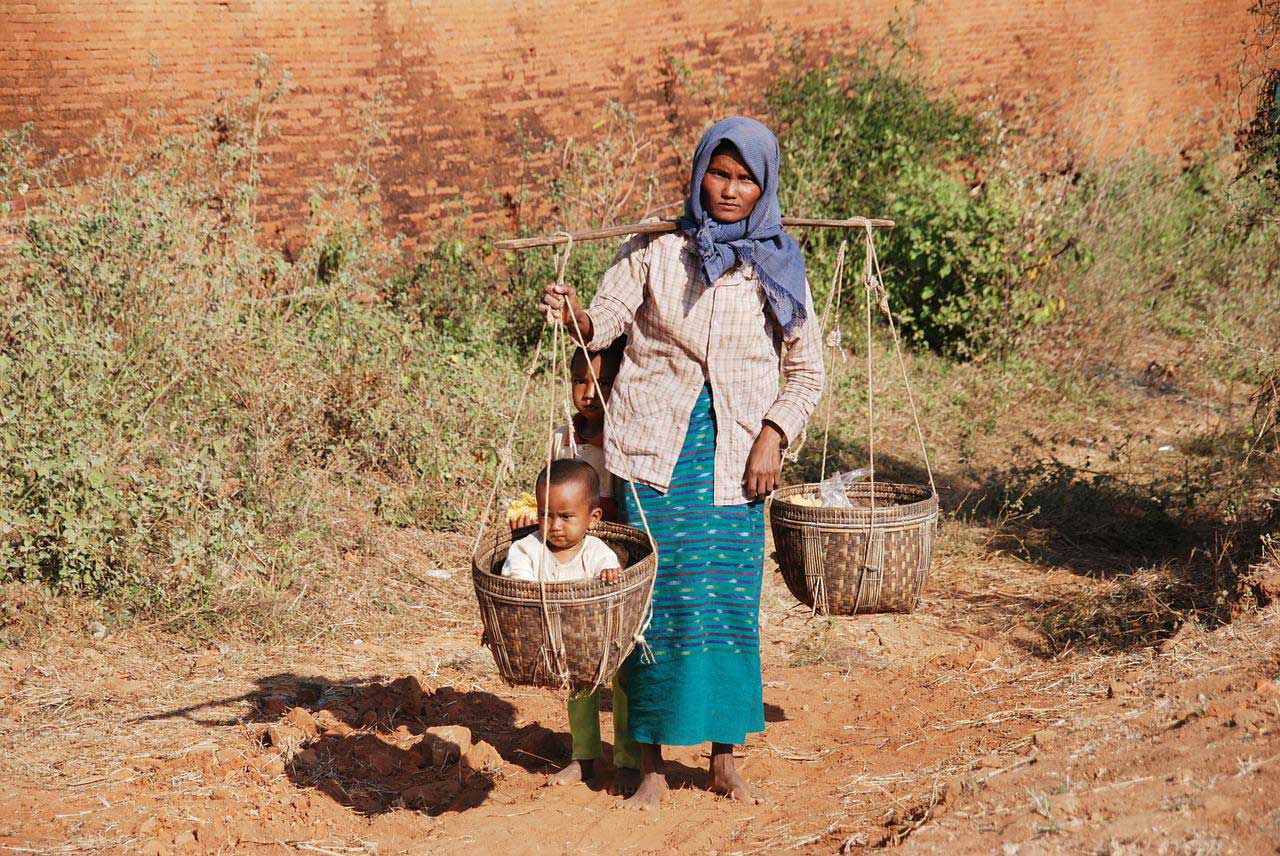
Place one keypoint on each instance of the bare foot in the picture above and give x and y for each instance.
(576, 771)
(725, 778)
(653, 780)
(648, 795)
(625, 782)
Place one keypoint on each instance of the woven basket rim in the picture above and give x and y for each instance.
(926, 504)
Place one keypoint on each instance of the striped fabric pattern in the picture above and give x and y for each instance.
(704, 684)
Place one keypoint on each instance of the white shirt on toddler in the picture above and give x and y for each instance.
(529, 556)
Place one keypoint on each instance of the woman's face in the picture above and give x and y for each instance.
(729, 193)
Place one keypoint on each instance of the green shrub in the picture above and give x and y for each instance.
(182, 408)
(864, 135)
(1148, 249)
(1260, 137)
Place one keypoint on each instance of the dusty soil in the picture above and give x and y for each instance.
(961, 728)
(945, 730)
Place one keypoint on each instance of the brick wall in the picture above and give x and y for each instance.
(450, 79)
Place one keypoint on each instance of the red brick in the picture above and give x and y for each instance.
(456, 75)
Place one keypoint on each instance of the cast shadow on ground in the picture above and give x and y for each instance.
(1099, 524)
(361, 740)
(1153, 541)
(1048, 512)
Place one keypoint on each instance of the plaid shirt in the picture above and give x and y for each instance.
(682, 334)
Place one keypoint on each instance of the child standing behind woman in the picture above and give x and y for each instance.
(583, 439)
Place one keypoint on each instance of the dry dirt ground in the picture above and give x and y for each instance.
(947, 730)
(955, 729)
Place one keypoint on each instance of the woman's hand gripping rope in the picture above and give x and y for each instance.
(560, 303)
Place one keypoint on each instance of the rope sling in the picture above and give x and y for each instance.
(820, 547)
(553, 656)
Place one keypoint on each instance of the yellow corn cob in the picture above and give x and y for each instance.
(520, 506)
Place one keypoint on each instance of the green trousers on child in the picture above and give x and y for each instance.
(584, 726)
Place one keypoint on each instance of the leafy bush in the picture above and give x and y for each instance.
(1194, 250)
(1260, 138)
(864, 135)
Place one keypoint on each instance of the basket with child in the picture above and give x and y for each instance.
(564, 592)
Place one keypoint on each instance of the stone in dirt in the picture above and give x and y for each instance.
(302, 719)
(1117, 689)
(269, 765)
(543, 744)
(1044, 738)
(1025, 635)
(952, 790)
(154, 847)
(185, 840)
(481, 756)
(408, 692)
(331, 717)
(1248, 719)
(447, 743)
(281, 736)
(273, 706)
(384, 760)
(431, 794)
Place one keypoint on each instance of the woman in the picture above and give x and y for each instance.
(697, 420)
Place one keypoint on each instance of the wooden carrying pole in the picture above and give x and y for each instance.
(654, 226)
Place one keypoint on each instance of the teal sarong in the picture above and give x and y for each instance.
(704, 684)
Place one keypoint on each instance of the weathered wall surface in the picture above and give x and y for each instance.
(452, 80)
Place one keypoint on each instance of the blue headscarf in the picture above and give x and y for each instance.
(757, 239)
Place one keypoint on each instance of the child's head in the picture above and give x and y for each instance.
(568, 495)
(606, 364)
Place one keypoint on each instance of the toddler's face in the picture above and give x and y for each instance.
(584, 391)
(566, 514)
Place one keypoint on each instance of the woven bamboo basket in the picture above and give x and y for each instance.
(823, 552)
(571, 635)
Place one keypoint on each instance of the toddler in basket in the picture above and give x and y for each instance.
(561, 551)
(583, 440)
